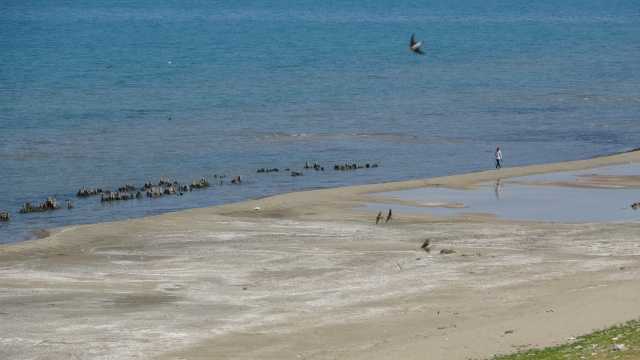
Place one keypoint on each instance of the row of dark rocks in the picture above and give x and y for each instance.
(196, 184)
(86, 193)
(315, 166)
(157, 190)
(153, 191)
(349, 166)
(50, 204)
(346, 166)
(123, 194)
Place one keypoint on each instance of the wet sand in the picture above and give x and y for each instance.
(321, 281)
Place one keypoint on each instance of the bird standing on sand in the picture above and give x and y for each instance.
(426, 246)
(389, 217)
(379, 217)
(415, 47)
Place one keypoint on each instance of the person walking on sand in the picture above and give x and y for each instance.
(498, 158)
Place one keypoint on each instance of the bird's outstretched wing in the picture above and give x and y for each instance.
(426, 246)
(390, 216)
(379, 217)
(415, 47)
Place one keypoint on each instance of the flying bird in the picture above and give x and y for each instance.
(426, 246)
(389, 217)
(379, 217)
(415, 47)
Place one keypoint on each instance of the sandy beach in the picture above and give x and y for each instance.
(305, 277)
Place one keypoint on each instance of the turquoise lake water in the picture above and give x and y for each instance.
(260, 84)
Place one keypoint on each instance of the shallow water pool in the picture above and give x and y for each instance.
(512, 201)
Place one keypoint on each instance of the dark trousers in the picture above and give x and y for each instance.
(498, 164)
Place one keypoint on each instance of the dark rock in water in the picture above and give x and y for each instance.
(126, 188)
(85, 193)
(267, 170)
(50, 204)
(113, 196)
(154, 192)
(237, 180)
(4, 216)
(175, 183)
(69, 206)
(347, 166)
(322, 168)
(169, 190)
(200, 184)
(164, 181)
(183, 187)
(139, 194)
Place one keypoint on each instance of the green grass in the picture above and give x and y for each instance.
(627, 334)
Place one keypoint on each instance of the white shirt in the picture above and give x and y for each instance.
(498, 155)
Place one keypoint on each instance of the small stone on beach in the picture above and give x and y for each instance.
(620, 347)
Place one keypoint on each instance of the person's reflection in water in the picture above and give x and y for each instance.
(498, 189)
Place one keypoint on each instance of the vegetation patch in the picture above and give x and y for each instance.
(599, 345)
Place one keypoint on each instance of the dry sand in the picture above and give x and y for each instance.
(321, 281)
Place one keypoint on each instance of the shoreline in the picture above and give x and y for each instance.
(304, 276)
(46, 232)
